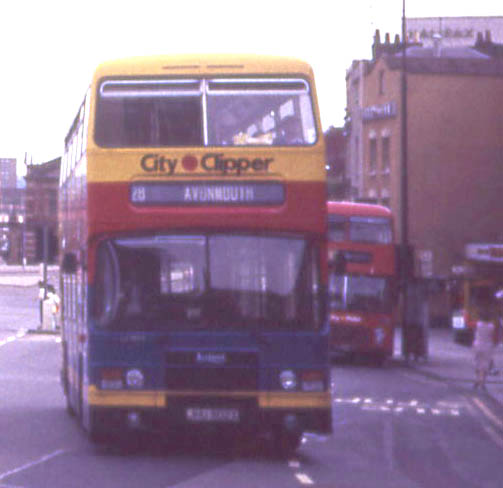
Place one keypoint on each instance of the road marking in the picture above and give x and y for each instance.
(488, 413)
(389, 445)
(6, 341)
(304, 478)
(390, 405)
(19, 335)
(26, 466)
(493, 435)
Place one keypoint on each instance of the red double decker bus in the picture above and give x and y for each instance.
(193, 216)
(362, 279)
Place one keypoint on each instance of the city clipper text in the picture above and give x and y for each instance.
(210, 163)
(206, 192)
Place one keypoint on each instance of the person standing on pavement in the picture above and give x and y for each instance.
(485, 340)
(55, 301)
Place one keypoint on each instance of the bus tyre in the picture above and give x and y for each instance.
(68, 404)
(94, 427)
(286, 443)
(65, 383)
(379, 359)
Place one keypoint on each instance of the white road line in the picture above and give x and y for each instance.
(304, 478)
(488, 413)
(493, 435)
(26, 466)
(6, 341)
(13, 338)
(389, 445)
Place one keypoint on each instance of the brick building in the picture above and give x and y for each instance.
(335, 157)
(455, 143)
(41, 210)
(12, 212)
(8, 173)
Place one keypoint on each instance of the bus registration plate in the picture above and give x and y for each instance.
(194, 414)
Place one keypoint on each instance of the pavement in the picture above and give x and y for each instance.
(446, 360)
(453, 363)
(26, 275)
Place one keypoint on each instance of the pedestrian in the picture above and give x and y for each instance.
(417, 322)
(484, 343)
(55, 302)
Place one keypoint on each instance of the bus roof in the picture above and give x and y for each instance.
(203, 64)
(356, 208)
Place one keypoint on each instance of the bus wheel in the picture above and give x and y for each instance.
(379, 359)
(65, 383)
(69, 407)
(95, 430)
(286, 443)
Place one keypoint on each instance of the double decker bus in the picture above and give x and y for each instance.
(481, 279)
(362, 279)
(194, 268)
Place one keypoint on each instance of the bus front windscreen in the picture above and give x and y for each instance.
(359, 293)
(209, 112)
(375, 230)
(215, 281)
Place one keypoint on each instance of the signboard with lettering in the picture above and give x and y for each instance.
(485, 252)
(384, 111)
(207, 193)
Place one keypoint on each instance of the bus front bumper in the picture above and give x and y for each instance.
(249, 412)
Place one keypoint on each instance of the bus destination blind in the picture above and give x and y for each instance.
(207, 193)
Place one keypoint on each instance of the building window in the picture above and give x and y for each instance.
(381, 82)
(385, 154)
(373, 156)
(356, 92)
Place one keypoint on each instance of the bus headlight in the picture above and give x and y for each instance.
(135, 378)
(288, 380)
(458, 322)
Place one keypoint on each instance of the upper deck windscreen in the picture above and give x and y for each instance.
(372, 230)
(204, 112)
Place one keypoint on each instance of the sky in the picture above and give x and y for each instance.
(49, 49)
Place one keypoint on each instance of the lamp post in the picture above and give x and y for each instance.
(405, 260)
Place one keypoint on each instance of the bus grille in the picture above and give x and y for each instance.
(201, 371)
